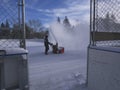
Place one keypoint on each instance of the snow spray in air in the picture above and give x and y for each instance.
(75, 38)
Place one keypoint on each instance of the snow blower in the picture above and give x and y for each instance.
(55, 48)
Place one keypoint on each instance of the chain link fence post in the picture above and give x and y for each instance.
(22, 24)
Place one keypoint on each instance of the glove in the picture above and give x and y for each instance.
(51, 44)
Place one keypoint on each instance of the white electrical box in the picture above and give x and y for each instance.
(14, 69)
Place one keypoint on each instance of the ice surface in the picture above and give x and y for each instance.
(34, 42)
(56, 71)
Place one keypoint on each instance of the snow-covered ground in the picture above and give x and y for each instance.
(56, 71)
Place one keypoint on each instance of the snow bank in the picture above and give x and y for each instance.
(10, 51)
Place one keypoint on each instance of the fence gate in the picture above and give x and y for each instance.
(13, 56)
(12, 28)
(104, 51)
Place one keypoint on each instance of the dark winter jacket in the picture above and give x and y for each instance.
(46, 42)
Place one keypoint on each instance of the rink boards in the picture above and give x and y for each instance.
(103, 68)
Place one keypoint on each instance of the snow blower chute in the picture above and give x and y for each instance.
(55, 48)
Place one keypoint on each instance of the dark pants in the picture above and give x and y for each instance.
(46, 49)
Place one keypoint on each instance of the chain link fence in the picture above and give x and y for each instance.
(105, 22)
(11, 24)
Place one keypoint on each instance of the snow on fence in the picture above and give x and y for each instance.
(12, 24)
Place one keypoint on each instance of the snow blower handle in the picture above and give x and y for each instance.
(51, 44)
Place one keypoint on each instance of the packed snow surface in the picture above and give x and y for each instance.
(55, 71)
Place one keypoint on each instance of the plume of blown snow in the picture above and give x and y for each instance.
(75, 38)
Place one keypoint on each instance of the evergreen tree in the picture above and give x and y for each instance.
(58, 19)
(113, 18)
(66, 22)
(16, 33)
(107, 22)
(7, 24)
(2, 25)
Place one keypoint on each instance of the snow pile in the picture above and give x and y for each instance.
(74, 38)
(10, 51)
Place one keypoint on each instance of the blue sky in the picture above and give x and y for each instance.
(47, 11)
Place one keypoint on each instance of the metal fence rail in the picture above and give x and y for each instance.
(12, 24)
(105, 22)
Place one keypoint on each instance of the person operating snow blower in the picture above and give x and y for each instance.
(46, 44)
(55, 48)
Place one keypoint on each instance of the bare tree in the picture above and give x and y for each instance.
(36, 25)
